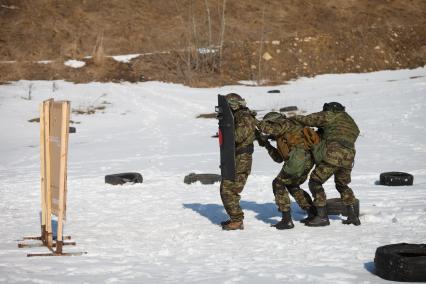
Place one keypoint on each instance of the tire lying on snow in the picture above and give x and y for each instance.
(288, 108)
(203, 178)
(335, 206)
(123, 178)
(401, 262)
(396, 178)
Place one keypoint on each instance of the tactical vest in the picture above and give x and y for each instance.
(342, 129)
(298, 136)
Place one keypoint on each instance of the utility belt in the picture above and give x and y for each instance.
(245, 150)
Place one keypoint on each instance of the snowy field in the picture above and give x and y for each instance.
(165, 231)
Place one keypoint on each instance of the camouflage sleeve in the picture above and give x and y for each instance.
(317, 119)
(273, 152)
(244, 128)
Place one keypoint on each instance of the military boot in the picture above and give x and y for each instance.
(352, 217)
(321, 219)
(312, 213)
(285, 223)
(232, 225)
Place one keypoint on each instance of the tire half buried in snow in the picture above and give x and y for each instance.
(401, 262)
(123, 178)
(203, 178)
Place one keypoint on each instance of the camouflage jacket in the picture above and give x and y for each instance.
(245, 125)
(339, 131)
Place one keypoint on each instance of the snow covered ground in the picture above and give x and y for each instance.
(165, 231)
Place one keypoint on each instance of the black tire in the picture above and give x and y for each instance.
(203, 178)
(123, 178)
(335, 207)
(401, 262)
(289, 108)
(274, 91)
(396, 179)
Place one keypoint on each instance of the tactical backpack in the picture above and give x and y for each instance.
(314, 144)
(310, 140)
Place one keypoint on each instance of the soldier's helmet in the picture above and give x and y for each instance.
(235, 101)
(273, 115)
(333, 106)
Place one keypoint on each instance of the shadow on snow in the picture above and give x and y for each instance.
(370, 267)
(265, 212)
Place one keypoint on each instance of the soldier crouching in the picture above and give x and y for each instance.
(293, 150)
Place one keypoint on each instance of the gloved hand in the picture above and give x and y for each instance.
(262, 140)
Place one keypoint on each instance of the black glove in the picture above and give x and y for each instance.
(262, 140)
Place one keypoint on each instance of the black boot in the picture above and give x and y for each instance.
(312, 213)
(285, 223)
(321, 219)
(352, 217)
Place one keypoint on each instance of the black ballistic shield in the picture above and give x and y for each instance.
(226, 139)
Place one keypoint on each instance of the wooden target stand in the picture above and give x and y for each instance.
(54, 131)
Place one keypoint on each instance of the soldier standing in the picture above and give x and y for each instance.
(230, 190)
(339, 133)
(293, 149)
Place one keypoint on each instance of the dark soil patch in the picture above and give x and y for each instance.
(302, 38)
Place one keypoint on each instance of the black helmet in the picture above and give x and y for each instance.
(235, 101)
(273, 115)
(333, 106)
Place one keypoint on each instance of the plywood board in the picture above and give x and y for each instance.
(58, 143)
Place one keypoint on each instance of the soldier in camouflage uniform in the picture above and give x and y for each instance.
(245, 125)
(292, 149)
(339, 135)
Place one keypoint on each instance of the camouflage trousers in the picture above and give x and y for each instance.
(342, 177)
(285, 183)
(230, 190)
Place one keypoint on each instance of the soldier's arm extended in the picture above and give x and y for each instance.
(272, 151)
(274, 154)
(317, 119)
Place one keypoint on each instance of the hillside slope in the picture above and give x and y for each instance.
(302, 38)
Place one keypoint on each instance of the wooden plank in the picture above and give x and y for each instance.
(39, 238)
(42, 171)
(48, 182)
(63, 172)
(23, 245)
(55, 143)
(56, 254)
